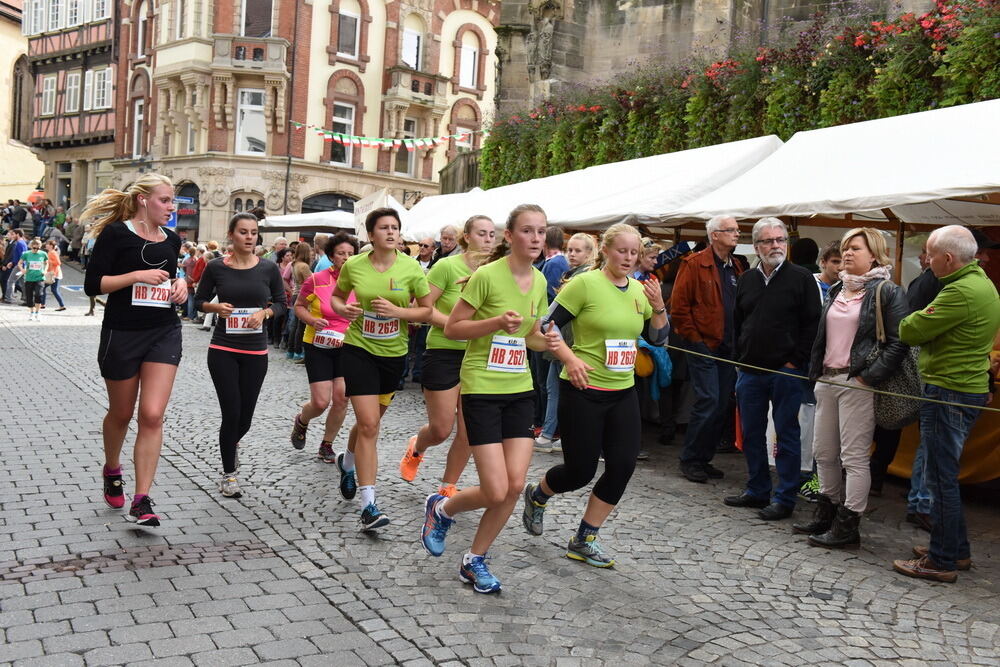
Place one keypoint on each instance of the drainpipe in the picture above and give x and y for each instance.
(288, 111)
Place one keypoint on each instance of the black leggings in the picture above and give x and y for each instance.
(593, 422)
(34, 293)
(238, 379)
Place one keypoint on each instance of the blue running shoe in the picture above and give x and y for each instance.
(435, 526)
(348, 482)
(533, 514)
(477, 574)
(372, 518)
(588, 551)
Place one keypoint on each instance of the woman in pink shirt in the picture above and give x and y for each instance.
(845, 416)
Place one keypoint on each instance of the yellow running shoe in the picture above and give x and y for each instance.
(411, 461)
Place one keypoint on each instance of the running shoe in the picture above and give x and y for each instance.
(588, 551)
(326, 452)
(114, 495)
(478, 574)
(809, 491)
(447, 490)
(229, 486)
(372, 518)
(436, 527)
(545, 444)
(299, 433)
(410, 462)
(533, 513)
(348, 482)
(142, 512)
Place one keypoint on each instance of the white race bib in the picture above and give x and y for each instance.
(238, 322)
(619, 355)
(35, 265)
(508, 354)
(327, 339)
(155, 296)
(376, 326)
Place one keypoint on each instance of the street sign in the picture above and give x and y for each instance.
(183, 200)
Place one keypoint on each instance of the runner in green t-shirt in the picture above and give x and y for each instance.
(498, 313)
(34, 263)
(443, 359)
(385, 282)
(608, 310)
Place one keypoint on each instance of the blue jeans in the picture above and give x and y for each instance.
(551, 423)
(191, 313)
(943, 430)
(418, 343)
(919, 498)
(712, 383)
(754, 391)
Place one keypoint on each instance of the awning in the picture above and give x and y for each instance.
(323, 221)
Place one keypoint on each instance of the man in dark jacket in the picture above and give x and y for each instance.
(775, 319)
(701, 312)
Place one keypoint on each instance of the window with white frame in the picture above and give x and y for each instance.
(343, 122)
(102, 9)
(348, 35)
(140, 32)
(468, 70)
(88, 90)
(463, 144)
(181, 19)
(138, 119)
(55, 14)
(256, 18)
(38, 16)
(71, 95)
(404, 157)
(102, 88)
(73, 12)
(49, 95)
(411, 48)
(251, 132)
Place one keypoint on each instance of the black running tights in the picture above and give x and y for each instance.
(592, 423)
(238, 379)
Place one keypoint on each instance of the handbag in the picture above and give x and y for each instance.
(895, 412)
(50, 277)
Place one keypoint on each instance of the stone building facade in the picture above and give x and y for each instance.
(208, 91)
(545, 45)
(20, 170)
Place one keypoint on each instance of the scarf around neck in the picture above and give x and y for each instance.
(855, 283)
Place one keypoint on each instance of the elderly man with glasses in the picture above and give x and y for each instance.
(701, 312)
(425, 253)
(775, 322)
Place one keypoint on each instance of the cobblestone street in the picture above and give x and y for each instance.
(282, 574)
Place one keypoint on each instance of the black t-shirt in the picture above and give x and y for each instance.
(257, 287)
(922, 290)
(117, 251)
(727, 282)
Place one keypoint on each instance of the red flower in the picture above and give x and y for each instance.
(595, 108)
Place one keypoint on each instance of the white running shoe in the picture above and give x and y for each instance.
(229, 486)
(546, 445)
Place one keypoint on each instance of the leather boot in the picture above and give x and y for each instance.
(843, 532)
(822, 518)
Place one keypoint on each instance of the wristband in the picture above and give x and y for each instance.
(660, 311)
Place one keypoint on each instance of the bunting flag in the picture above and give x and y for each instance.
(385, 143)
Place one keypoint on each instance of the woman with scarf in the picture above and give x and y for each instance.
(842, 353)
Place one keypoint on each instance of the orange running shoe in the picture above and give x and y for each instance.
(447, 490)
(411, 461)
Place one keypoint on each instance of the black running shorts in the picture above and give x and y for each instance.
(440, 369)
(366, 374)
(493, 418)
(322, 364)
(121, 353)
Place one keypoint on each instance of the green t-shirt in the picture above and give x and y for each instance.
(34, 263)
(404, 280)
(607, 322)
(492, 291)
(443, 275)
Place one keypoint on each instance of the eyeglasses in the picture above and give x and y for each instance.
(734, 230)
(781, 240)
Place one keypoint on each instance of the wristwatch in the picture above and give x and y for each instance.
(660, 311)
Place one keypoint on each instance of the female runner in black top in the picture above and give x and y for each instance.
(134, 262)
(250, 291)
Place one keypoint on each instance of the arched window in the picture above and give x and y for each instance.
(349, 21)
(469, 71)
(140, 31)
(412, 52)
(20, 107)
(138, 98)
(466, 120)
(345, 109)
(238, 205)
(328, 201)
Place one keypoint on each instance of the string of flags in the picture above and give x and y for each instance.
(383, 143)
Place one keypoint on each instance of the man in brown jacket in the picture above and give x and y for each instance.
(701, 312)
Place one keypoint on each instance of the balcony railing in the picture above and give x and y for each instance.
(407, 85)
(264, 54)
(461, 174)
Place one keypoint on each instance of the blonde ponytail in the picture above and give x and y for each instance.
(117, 206)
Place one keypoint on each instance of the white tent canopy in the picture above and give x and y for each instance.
(911, 163)
(322, 221)
(642, 190)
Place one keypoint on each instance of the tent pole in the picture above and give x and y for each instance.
(897, 270)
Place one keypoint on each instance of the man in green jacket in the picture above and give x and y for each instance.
(955, 334)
